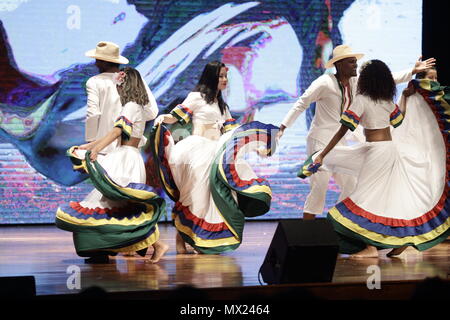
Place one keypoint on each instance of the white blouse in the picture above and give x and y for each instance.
(371, 114)
(104, 106)
(132, 120)
(206, 118)
(330, 103)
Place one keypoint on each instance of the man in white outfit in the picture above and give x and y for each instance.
(333, 93)
(103, 101)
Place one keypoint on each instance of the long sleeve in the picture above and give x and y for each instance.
(396, 116)
(184, 112)
(402, 76)
(229, 122)
(311, 95)
(151, 109)
(129, 115)
(352, 116)
(93, 111)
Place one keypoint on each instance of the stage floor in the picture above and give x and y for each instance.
(47, 253)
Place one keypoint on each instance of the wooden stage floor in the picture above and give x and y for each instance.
(46, 253)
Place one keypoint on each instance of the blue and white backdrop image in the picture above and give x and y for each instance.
(273, 49)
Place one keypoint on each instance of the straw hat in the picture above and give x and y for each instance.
(342, 52)
(107, 51)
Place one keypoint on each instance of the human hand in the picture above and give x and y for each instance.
(409, 90)
(85, 146)
(159, 120)
(279, 133)
(421, 66)
(262, 152)
(318, 160)
(93, 155)
(314, 167)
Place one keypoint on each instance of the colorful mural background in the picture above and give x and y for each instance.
(274, 50)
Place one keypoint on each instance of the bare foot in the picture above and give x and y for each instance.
(128, 254)
(396, 251)
(180, 245)
(308, 216)
(368, 252)
(160, 248)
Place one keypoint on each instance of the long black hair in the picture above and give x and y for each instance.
(133, 88)
(207, 85)
(376, 81)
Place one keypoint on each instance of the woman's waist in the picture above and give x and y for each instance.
(132, 142)
(208, 123)
(211, 130)
(378, 135)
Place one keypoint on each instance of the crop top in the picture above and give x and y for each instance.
(202, 114)
(371, 114)
(131, 121)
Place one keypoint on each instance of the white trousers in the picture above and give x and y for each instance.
(315, 201)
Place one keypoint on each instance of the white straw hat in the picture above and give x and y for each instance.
(107, 51)
(342, 52)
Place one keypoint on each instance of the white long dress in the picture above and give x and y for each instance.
(121, 213)
(401, 197)
(214, 189)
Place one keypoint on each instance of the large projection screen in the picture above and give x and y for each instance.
(274, 50)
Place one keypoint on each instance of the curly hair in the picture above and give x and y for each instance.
(207, 85)
(133, 88)
(376, 81)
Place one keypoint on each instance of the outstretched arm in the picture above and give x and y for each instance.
(421, 66)
(312, 94)
(280, 132)
(88, 146)
(336, 138)
(165, 118)
(98, 145)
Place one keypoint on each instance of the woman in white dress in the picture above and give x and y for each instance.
(213, 187)
(121, 214)
(400, 199)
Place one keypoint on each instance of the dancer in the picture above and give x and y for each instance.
(333, 93)
(103, 101)
(121, 214)
(430, 74)
(400, 198)
(214, 189)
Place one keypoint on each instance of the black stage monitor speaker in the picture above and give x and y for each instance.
(20, 287)
(301, 251)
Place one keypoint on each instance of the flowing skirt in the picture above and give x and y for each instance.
(213, 187)
(121, 213)
(401, 197)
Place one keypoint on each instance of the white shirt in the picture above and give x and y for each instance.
(206, 118)
(132, 121)
(104, 106)
(371, 114)
(327, 94)
(203, 112)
